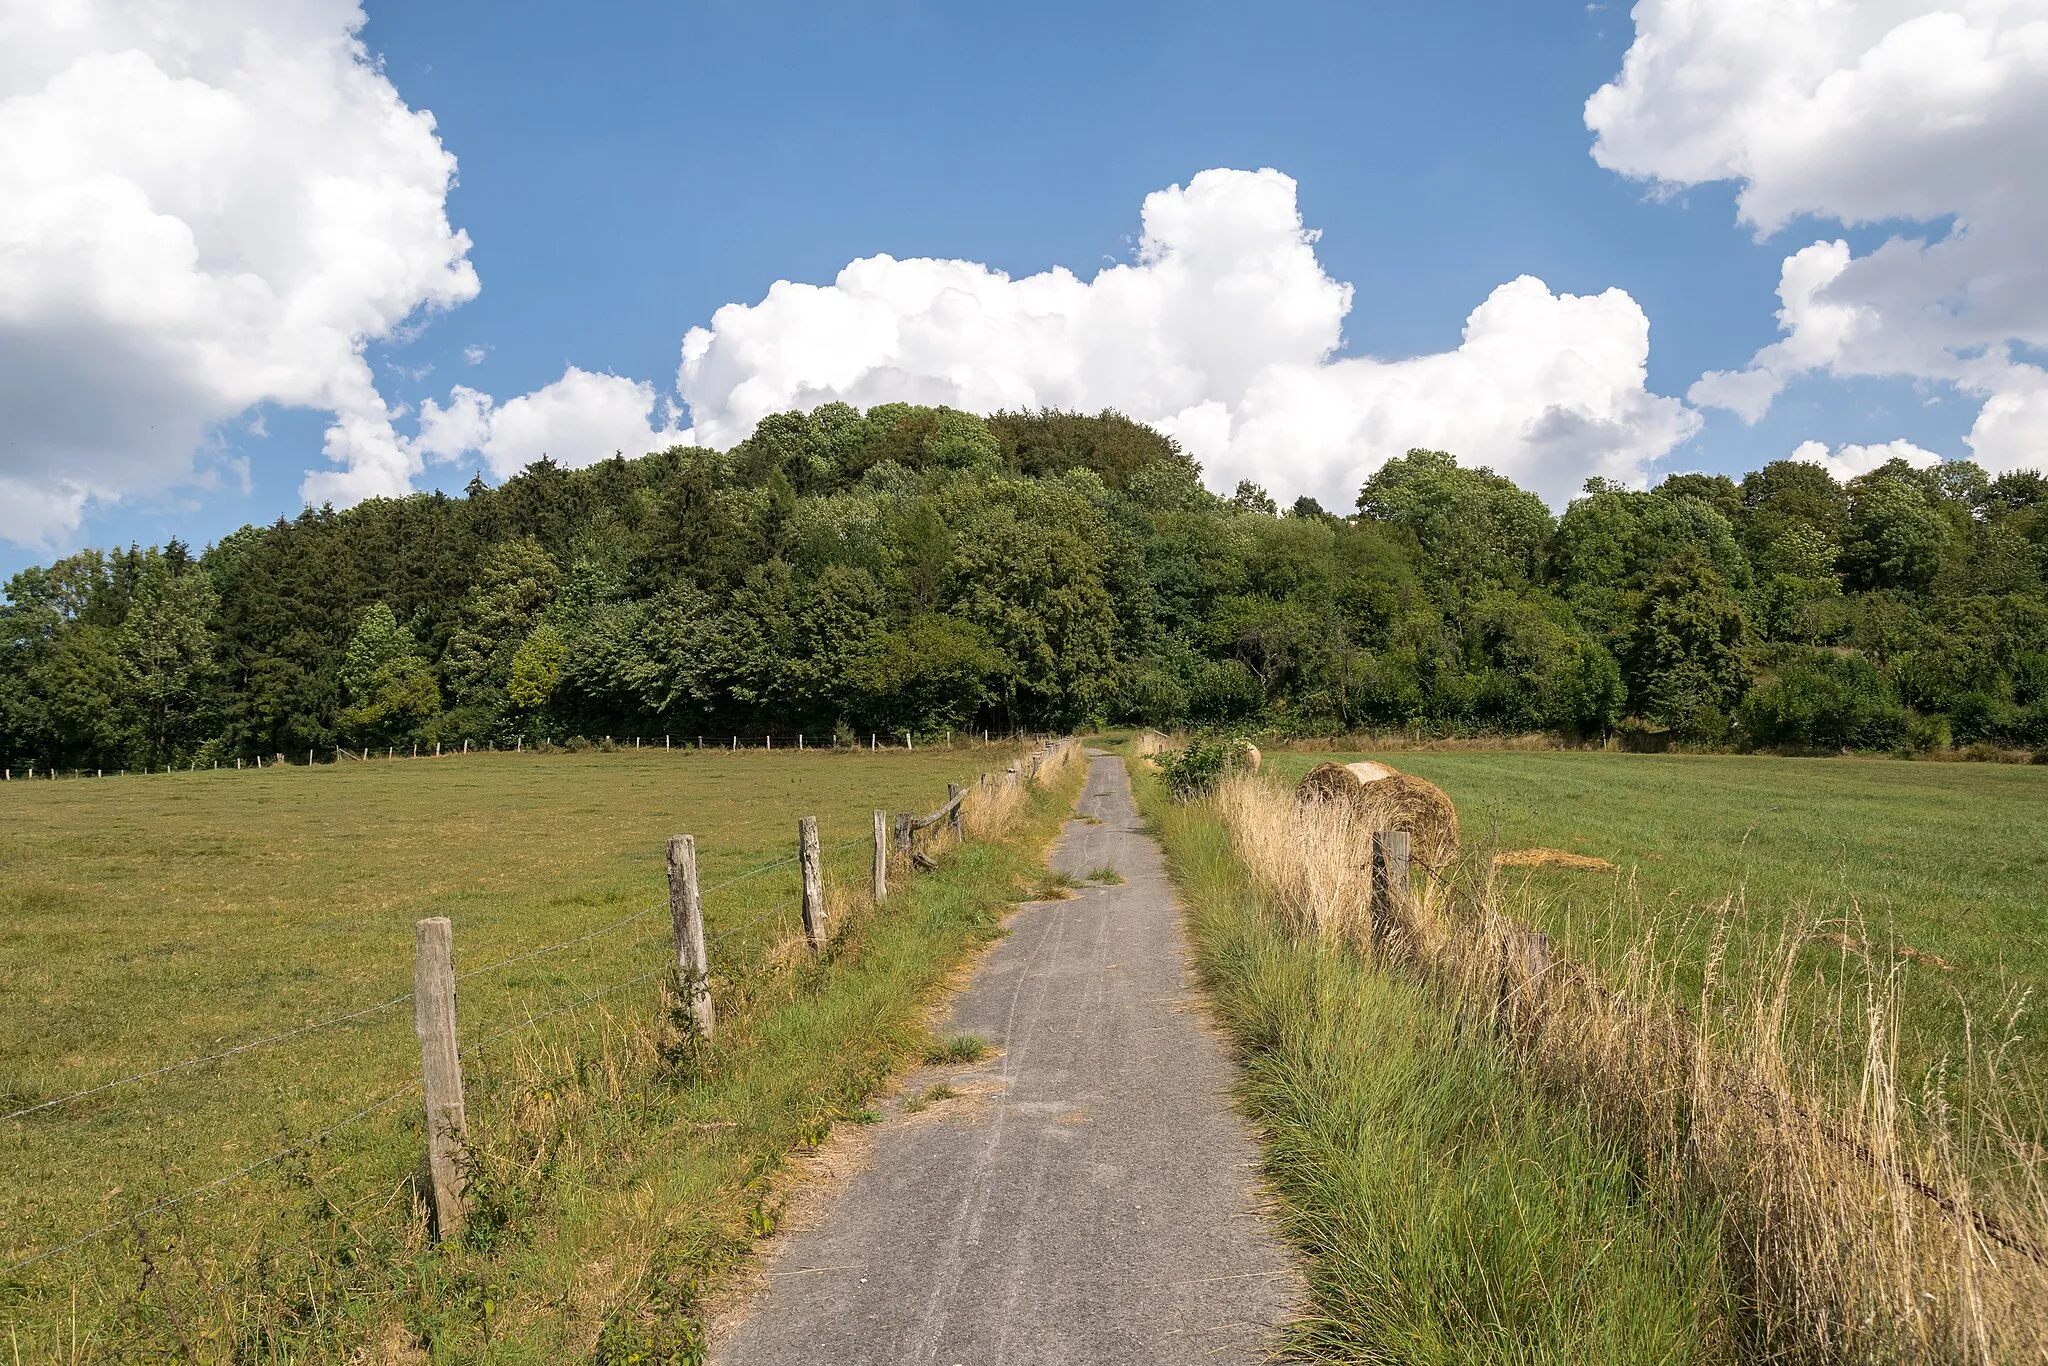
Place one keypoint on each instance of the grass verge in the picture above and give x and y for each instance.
(1447, 1210)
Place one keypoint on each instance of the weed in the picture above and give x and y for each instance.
(960, 1048)
(936, 1092)
(1055, 886)
(1106, 875)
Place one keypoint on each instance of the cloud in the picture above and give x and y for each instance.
(578, 420)
(1864, 113)
(203, 207)
(1850, 461)
(1223, 331)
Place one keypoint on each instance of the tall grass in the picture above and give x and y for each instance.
(1449, 1211)
(1862, 1223)
(993, 808)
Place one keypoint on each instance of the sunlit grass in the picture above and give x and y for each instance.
(152, 919)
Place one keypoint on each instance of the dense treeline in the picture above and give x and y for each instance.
(917, 568)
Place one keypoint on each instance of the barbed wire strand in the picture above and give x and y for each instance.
(211, 1186)
(398, 1000)
(211, 1057)
(571, 1005)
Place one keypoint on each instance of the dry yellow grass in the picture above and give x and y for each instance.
(1149, 743)
(993, 807)
(1867, 1224)
(1550, 858)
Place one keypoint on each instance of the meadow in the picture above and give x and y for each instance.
(1942, 867)
(149, 920)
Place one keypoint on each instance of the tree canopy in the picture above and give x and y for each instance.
(914, 568)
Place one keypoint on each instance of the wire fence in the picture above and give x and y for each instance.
(196, 1193)
(730, 742)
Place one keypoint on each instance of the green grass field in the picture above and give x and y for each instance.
(151, 919)
(1948, 859)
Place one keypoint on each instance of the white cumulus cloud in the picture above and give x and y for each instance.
(1930, 111)
(1223, 331)
(578, 420)
(203, 207)
(1847, 462)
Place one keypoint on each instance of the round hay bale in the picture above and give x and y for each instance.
(1388, 799)
(1252, 757)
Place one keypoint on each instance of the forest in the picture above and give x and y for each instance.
(922, 569)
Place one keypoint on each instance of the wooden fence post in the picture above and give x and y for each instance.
(1525, 981)
(433, 1020)
(686, 912)
(815, 928)
(904, 843)
(1391, 882)
(881, 857)
(954, 794)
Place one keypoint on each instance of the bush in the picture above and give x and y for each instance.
(1927, 733)
(1978, 715)
(1825, 701)
(1195, 771)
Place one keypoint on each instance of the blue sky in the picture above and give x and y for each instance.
(627, 168)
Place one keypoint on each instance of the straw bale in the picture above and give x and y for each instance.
(1387, 799)
(1550, 858)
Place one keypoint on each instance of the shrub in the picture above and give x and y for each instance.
(1981, 716)
(1825, 701)
(1926, 733)
(1195, 771)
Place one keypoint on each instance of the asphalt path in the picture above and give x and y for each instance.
(1089, 1196)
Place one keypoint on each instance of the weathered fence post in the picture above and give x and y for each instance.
(908, 742)
(433, 1019)
(686, 912)
(1391, 882)
(904, 844)
(881, 857)
(1525, 981)
(815, 928)
(957, 794)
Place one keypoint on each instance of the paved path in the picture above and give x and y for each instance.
(1089, 1199)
